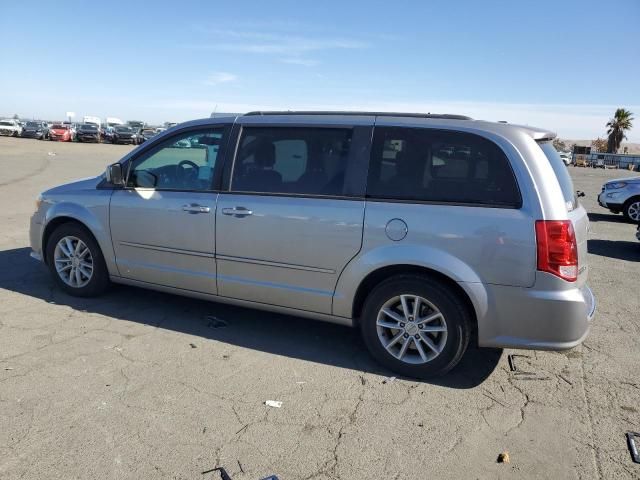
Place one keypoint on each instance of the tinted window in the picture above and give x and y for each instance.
(182, 162)
(559, 168)
(311, 161)
(440, 166)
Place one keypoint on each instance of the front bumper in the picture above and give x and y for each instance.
(540, 318)
(89, 138)
(611, 199)
(32, 134)
(7, 133)
(35, 236)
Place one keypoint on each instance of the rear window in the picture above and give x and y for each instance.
(559, 168)
(440, 166)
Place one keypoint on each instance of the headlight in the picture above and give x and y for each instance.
(616, 185)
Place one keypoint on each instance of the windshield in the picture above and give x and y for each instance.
(559, 168)
(7, 123)
(88, 126)
(59, 127)
(123, 129)
(33, 124)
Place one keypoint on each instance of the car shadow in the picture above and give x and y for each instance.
(608, 217)
(273, 333)
(621, 250)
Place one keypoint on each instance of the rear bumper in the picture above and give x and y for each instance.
(536, 318)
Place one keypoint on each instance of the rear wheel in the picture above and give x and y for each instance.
(415, 326)
(76, 262)
(632, 209)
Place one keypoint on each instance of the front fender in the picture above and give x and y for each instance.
(93, 215)
(406, 254)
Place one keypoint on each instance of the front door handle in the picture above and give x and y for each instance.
(237, 212)
(195, 208)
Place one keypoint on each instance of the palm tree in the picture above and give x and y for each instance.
(616, 128)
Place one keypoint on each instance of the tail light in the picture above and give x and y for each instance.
(557, 248)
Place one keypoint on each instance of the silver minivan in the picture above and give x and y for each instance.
(426, 232)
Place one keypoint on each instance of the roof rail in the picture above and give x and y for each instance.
(446, 116)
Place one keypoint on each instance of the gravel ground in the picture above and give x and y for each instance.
(138, 384)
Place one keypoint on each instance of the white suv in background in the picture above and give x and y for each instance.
(622, 195)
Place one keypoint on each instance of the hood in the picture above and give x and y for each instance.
(89, 183)
(624, 179)
(59, 131)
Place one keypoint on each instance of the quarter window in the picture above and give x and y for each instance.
(305, 161)
(183, 162)
(440, 166)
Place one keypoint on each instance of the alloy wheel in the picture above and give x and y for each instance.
(73, 261)
(634, 211)
(411, 329)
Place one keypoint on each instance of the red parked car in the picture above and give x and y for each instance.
(61, 133)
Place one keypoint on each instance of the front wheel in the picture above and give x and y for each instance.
(632, 210)
(415, 326)
(76, 262)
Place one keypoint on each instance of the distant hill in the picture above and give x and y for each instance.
(633, 148)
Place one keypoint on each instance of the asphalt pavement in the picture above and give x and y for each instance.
(139, 384)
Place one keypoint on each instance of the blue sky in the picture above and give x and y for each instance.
(564, 65)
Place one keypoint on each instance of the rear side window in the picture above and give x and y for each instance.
(302, 160)
(440, 166)
(559, 168)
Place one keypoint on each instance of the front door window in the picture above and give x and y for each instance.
(183, 162)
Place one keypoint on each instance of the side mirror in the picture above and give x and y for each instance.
(114, 174)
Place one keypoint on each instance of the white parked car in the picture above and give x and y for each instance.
(10, 127)
(566, 158)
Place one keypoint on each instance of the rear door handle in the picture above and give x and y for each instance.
(195, 208)
(237, 211)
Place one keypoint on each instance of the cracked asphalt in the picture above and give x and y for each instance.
(139, 384)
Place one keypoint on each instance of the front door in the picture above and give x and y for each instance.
(163, 222)
(293, 217)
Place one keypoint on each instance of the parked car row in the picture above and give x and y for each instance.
(83, 132)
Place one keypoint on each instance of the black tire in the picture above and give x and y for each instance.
(452, 307)
(628, 205)
(99, 281)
